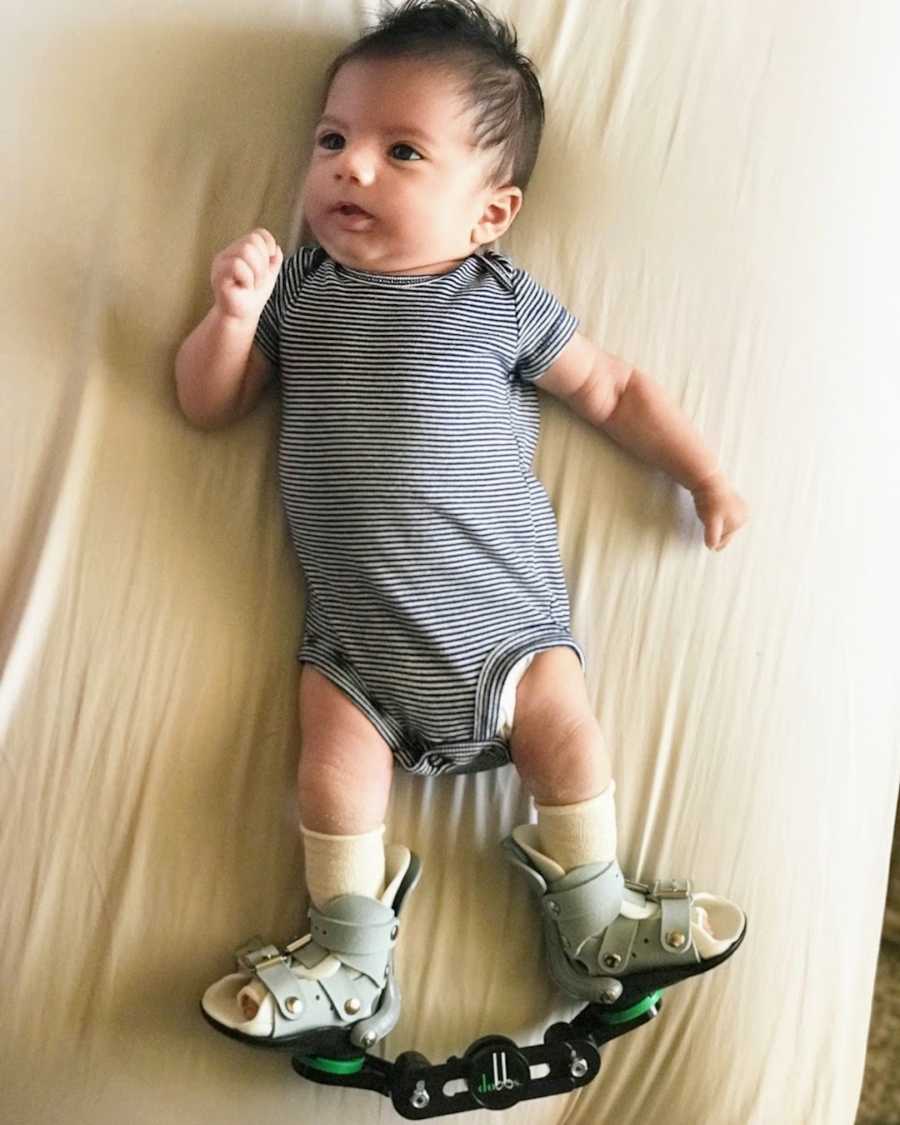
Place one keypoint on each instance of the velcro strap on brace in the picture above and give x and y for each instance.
(283, 985)
(354, 925)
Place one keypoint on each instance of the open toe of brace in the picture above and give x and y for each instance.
(601, 930)
(279, 997)
(671, 923)
(338, 976)
(717, 923)
(238, 1002)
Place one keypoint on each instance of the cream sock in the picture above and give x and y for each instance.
(572, 835)
(343, 865)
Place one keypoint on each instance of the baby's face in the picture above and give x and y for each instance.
(396, 183)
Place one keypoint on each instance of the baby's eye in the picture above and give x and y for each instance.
(405, 152)
(334, 142)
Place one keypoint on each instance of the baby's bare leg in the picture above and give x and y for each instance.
(556, 742)
(343, 784)
(345, 770)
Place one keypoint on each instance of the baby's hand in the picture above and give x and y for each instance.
(244, 274)
(720, 508)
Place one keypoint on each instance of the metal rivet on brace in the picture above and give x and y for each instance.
(578, 1068)
(368, 1039)
(676, 939)
(611, 960)
(294, 1005)
(419, 1098)
(352, 1006)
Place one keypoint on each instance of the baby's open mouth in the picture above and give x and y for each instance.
(349, 209)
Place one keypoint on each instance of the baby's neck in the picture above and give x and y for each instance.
(427, 268)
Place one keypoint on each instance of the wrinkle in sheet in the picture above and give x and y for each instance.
(48, 538)
(716, 202)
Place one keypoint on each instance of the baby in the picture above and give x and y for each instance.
(408, 356)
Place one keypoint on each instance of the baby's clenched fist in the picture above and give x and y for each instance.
(244, 274)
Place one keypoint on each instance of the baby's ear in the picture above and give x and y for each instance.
(500, 210)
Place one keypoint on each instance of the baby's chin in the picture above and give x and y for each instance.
(373, 254)
(341, 249)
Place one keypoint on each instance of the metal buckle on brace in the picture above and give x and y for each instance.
(268, 962)
(670, 888)
(250, 957)
(293, 946)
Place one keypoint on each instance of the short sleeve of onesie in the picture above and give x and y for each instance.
(294, 270)
(545, 326)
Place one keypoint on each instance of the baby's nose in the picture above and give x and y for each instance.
(358, 165)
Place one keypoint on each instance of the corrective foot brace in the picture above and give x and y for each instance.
(331, 996)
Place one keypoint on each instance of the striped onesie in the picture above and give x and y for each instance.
(429, 549)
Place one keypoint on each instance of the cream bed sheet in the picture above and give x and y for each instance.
(716, 200)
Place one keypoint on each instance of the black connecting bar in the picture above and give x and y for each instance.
(494, 1073)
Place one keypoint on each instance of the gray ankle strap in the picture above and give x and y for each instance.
(361, 931)
(584, 902)
(354, 924)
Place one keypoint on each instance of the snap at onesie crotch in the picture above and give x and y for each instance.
(491, 723)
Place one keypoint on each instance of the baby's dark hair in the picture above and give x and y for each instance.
(501, 83)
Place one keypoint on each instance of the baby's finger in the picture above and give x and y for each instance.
(242, 274)
(714, 532)
(270, 250)
(274, 256)
(259, 241)
(275, 264)
(256, 255)
(269, 245)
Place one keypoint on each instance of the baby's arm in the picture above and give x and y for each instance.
(219, 373)
(636, 412)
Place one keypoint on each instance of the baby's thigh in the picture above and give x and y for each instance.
(552, 693)
(344, 761)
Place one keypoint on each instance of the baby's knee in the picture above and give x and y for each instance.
(343, 764)
(345, 770)
(342, 790)
(561, 755)
(553, 735)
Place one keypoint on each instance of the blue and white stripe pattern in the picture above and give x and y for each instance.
(429, 548)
